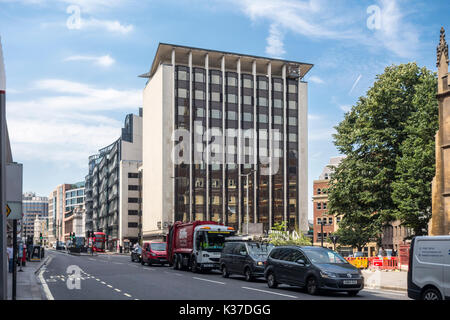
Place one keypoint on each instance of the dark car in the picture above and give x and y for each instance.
(136, 254)
(314, 268)
(244, 257)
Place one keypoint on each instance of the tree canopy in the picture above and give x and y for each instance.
(388, 138)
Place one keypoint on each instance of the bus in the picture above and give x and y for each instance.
(98, 242)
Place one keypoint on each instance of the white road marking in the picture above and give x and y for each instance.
(45, 286)
(103, 282)
(128, 295)
(108, 285)
(279, 294)
(97, 279)
(118, 290)
(208, 280)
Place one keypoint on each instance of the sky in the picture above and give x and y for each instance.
(72, 65)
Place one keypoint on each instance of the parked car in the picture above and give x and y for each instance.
(244, 257)
(429, 268)
(314, 268)
(136, 254)
(154, 252)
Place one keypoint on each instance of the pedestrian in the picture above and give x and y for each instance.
(9, 251)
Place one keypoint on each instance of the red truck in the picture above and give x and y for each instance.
(196, 245)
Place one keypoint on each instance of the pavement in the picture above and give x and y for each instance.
(115, 277)
(28, 287)
(387, 280)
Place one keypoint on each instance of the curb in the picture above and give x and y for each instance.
(42, 264)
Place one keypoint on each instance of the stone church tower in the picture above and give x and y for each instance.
(440, 221)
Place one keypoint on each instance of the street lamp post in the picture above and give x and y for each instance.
(246, 182)
(321, 233)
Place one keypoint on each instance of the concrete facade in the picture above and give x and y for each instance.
(440, 221)
(33, 207)
(204, 92)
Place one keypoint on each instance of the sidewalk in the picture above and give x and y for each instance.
(388, 280)
(28, 286)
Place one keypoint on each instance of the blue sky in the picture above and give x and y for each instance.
(69, 85)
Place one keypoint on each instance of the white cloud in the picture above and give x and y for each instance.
(104, 61)
(69, 122)
(316, 79)
(330, 19)
(274, 46)
(108, 25)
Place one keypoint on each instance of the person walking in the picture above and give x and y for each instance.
(9, 251)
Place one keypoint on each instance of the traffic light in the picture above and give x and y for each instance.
(40, 235)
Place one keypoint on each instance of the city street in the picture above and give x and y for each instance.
(115, 277)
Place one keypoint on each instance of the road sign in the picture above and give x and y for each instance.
(15, 210)
(8, 210)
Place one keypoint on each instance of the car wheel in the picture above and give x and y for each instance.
(175, 262)
(272, 281)
(194, 267)
(311, 286)
(352, 293)
(180, 262)
(225, 273)
(431, 294)
(248, 274)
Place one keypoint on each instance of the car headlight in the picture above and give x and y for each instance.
(328, 275)
(260, 263)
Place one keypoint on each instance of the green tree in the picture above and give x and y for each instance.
(416, 163)
(373, 136)
(356, 235)
(280, 237)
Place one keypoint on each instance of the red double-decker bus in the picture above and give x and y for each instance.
(98, 242)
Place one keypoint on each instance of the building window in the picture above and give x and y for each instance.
(133, 200)
(247, 83)
(319, 191)
(292, 137)
(133, 212)
(231, 81)
(248, 116)
(182, 75)
(248, 100)
(324, 205)
(292, 88)
(262, 102)
(262, 85)
(292, 105)
(319, 205)
(232, 115)
(200, 112)
(262, 118)
(215, 79)
(133, 175)
(132, 224)
(277, 120)
(338, 219)
(133, 187)
(199, 77)
(215, 96)
(330, 220)
(182, 93)
(292, 121)
(277, 86)
(199, 95)
(216, 114)
(319, 220)
(232, 98)
(277, 103)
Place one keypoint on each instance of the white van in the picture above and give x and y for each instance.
(429, 268)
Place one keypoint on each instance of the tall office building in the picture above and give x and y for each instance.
(33, 207)
(112, 187)
(212, 119)
(74, 210)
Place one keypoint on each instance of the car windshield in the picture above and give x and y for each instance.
(259, 248)
(158, 246)
(214, 241)
(320, 256)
